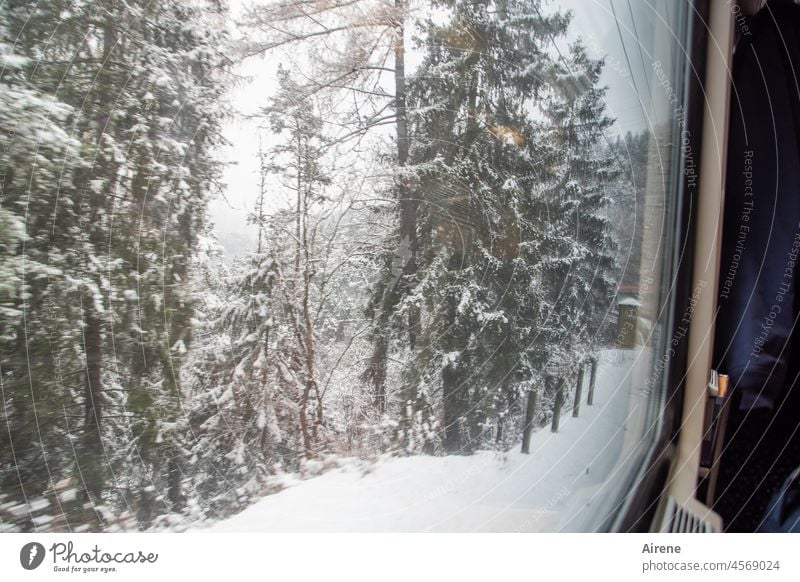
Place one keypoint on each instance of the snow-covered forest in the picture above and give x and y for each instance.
(445, 219)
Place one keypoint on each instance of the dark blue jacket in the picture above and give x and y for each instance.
(757, 340)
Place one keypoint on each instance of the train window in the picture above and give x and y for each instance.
(372, 266)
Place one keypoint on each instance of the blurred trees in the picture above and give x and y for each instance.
(119, 105)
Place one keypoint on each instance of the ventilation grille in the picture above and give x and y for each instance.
(692, 517)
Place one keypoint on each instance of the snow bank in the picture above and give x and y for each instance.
(571, 480)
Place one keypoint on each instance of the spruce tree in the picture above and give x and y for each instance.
(39, 361)
(475, 152)
(578, 274)
(143, 84)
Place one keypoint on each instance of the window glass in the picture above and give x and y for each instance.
(371, 265)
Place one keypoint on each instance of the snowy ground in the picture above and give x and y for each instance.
(569, 482)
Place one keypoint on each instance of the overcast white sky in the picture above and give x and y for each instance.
(593, 21)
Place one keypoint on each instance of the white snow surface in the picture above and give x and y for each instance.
(571, 481)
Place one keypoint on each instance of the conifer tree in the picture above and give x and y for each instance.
(39, 362)
(578, 274)
(475, 159)
(142, 82)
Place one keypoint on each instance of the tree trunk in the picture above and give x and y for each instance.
(408, 205)
(94, 387)
(262, 192)
(304, 430)
(451, 386)
(174, 493)
(90, 463)
(377, 372)
(298, 210)
(310, 436)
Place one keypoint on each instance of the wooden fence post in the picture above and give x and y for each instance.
(592, 378)
(530, 416)
(559, 403)
(576, 408)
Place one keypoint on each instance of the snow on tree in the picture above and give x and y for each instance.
(39, 359)
(475, 153)
(578, 273)
(281, 335)
(435, 244)
(359, 50)
(142, 80)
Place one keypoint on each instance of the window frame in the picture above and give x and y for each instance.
(638, 508)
